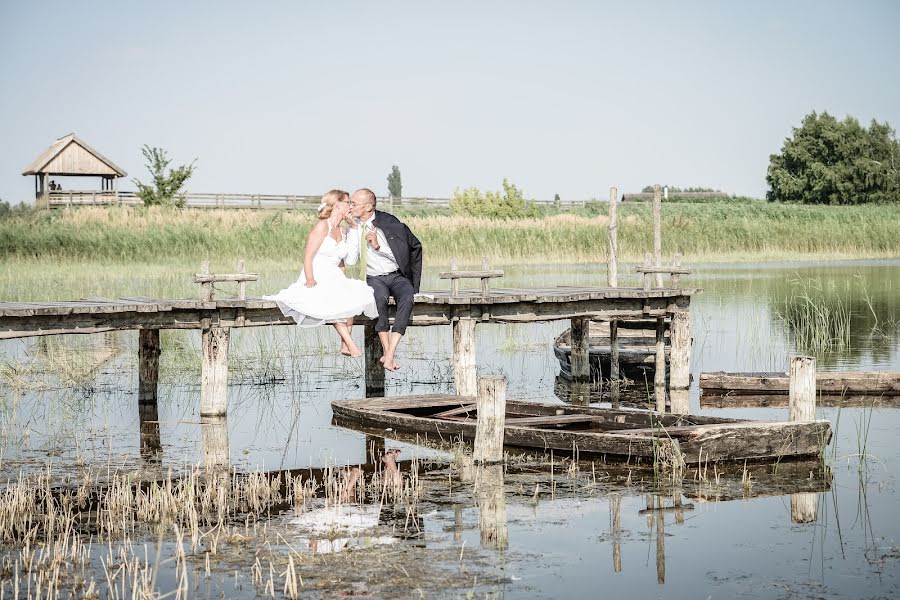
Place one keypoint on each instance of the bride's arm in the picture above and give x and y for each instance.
(313, 242)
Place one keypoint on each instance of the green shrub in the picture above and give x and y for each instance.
(510, 204)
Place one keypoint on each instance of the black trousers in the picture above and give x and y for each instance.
(398, 286)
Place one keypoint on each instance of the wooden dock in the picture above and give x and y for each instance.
(463, 310)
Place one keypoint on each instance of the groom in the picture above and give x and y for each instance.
(392, 256)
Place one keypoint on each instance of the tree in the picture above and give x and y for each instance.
(165, 187)
(510, 204)
(395, 186)
(827, 161)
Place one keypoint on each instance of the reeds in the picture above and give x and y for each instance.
(817, 316)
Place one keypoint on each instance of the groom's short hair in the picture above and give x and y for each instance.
(368, 194)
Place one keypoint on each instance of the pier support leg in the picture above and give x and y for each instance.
(374, 369)
(465, 375)
(803, 507)
(148, 365)
(214, 372)
(680, 363)
(802, 392)
(491, 407)
(659, 377)
(614, 363)
(151, 444)
(579, 357)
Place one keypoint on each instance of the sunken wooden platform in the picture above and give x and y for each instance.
(617, 434)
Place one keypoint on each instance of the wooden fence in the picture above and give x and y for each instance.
(72, 198)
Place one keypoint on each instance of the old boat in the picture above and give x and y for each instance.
(637, 350)
(619, 434)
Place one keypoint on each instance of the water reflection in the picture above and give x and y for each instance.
(491, 494)
(214, 440)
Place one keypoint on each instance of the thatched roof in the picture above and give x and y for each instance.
(70, 156)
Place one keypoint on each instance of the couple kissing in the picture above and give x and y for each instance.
(350, 231)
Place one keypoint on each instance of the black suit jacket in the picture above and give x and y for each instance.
(404, 244)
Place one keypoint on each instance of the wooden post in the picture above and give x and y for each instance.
(659, 374)
(148, 365)
(612, 275)
(214, 372)
(242, 285)
(485, 281)
(150, 442)
(454, 283)
(657, 232)
(648, 262)
(579, 362)
(492, 520)
(491, 420)
(680, 352)
(206, 289)
(675, 278)
(465, 375)
(802, 392)
(214, 439)
(374, 368)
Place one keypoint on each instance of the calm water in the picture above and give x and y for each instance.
(560, 546)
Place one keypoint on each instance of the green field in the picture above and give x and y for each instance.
(724, 231)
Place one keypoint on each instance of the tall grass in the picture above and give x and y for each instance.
(709, 231)
(817, 315)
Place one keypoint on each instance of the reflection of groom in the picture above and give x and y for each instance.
(392, 258)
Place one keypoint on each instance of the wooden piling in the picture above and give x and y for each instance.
(214, 371)
(454, 283)
(579, 355)
(803, 507)
(465, 374)
(491, 420)
(657, 232)
(148, 365)
(374, 369)
(659, 373)
(612, 271)
(680, 351)
(802, 394)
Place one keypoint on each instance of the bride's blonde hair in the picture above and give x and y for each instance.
(328, 201)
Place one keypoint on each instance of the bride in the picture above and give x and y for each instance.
(323, 294)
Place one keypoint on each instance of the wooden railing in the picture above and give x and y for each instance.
(72, 198)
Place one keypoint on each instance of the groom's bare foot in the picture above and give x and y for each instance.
(389, 363)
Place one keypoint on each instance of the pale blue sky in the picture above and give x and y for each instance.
(561, 97)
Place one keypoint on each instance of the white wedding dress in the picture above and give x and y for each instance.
(334, 297)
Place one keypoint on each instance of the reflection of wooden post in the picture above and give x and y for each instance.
(615, 527)
(803, 507)
(679, 509)
(580, 393)
(214, 437)
(150, 443)
(659, 377)
(214, 371)
(660, 539)
(491, 407)
(802, 392)
(374, 368)
(579, 362)
(148, 365)
(612, 271)
(457, 522)
(492, 507)
(465, 375)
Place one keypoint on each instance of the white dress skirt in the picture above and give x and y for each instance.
(334, 298)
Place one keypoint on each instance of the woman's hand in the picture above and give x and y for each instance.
(310, 282)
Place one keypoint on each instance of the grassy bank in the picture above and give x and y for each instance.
(708, 231)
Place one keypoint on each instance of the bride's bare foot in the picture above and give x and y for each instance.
(344, 349)
(351, 351)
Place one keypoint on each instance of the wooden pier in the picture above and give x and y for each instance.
(462, 311)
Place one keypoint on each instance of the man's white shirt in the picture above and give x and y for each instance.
(378, 262)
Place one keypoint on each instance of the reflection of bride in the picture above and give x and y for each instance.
(323, 294)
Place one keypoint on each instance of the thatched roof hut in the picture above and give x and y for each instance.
(69, 156)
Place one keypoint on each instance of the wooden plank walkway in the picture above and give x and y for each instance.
(502, 305)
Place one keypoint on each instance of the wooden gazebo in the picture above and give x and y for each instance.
(71, 157)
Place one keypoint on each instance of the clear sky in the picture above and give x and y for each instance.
(560, 97)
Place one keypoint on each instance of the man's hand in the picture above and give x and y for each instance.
(310, 283)
(372, 239)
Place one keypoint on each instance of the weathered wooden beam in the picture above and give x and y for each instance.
(803, 388)
(489, 428)
(465, 374)
(680, 352)
(659, 372)
(836, 383)
(374, 370)
(148, 365)
(580, 367)
(484, 274)
(214, 371)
